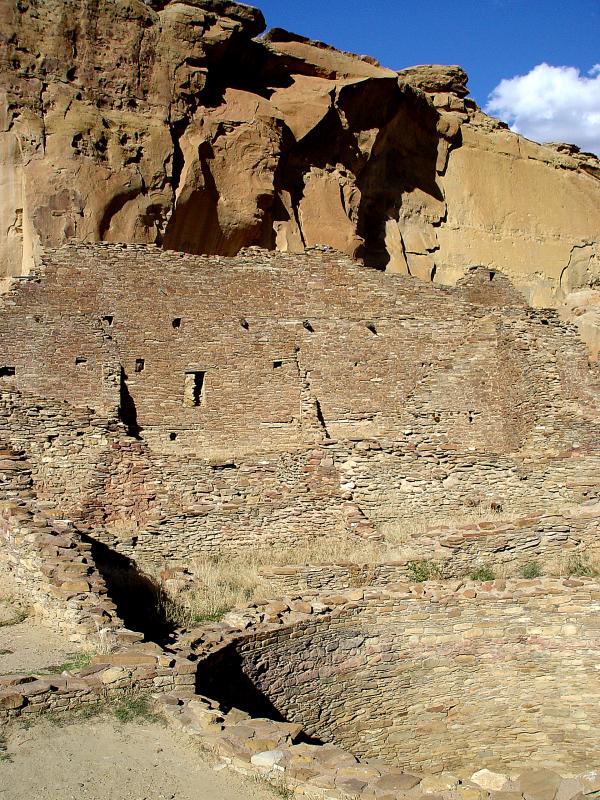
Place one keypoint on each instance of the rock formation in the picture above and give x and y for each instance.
(186, 130)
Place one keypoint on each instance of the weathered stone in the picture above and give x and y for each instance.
(491, 781)
(137, 150)
(432, 784)
(267, 758)
(541, 784)
(11, 699)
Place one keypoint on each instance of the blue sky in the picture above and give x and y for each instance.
(492, 39)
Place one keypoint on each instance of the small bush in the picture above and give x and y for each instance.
(531, 570)
(483, 573)
(420, 571)
(579, 567)
(135, 709)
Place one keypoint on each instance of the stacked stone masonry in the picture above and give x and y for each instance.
(270, 398)
(51, 565)
(442, 677)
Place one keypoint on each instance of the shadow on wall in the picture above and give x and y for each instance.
(381, 145)
(127, 408)
(221, 677)
(139, 600)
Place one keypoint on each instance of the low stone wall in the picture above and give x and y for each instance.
(137, 669)
(51, 566)
(455, 552)
(429, 677)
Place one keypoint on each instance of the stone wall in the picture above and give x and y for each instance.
(469, 368)
(431, 678)
(51, 566)
(550, 541)
(330, 399)
(139, 669)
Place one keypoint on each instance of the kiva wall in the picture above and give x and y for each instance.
(501, 679)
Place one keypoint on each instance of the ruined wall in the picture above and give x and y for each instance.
(51, 566)
(552, 542)
(289, 350)
(294, 396)
(505, 677)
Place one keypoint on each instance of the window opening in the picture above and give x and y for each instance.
(139, 364)
(176, 322)
(5, 372)
(80, 360)
(193, 389)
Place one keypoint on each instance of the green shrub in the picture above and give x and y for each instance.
(482, 573)
(419, 571)
(135, 708)
(579, 567)
(77, 661)
(531, 570)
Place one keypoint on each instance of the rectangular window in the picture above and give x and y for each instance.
(193, 389)
(6, 372)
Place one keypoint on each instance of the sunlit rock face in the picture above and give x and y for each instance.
(171, 123)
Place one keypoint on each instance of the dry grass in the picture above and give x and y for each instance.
(399, 532)
(573, 563)
(233, 580)
(229, 581)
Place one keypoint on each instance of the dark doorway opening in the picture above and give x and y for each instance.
(139, 600)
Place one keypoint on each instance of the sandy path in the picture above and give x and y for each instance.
(103, 760)
(31, 646)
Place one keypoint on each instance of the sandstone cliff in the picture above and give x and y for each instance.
(170, 122)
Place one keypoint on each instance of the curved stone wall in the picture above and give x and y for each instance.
(449, 680)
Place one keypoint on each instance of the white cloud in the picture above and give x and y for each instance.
(552, 104)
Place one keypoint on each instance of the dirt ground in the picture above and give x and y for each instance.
(32, 647)
(101, 759)
(29, 645)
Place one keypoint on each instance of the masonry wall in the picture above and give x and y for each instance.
(438, 683)
(274, 336)
(334, 399)
(552, 542)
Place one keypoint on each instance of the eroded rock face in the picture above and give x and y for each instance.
(169, 122)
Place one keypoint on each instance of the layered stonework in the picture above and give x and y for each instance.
(51, 565)
(330, 400)
(432, 678)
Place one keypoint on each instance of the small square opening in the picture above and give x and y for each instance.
(80, 360)
(108, 319)
(139, 364)
(6, 372)
(193, 388)
(176, 323)
(277, 364)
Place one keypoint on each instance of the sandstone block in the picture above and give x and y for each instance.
(541, 784)
(268, 758)
(491, 781)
